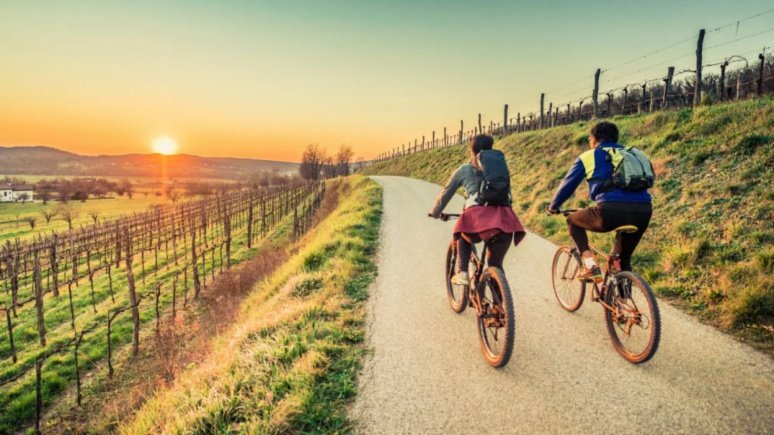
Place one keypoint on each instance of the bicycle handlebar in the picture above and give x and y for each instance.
(564, 212)
(446, 216)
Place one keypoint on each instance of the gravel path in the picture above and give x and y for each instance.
(426, 374)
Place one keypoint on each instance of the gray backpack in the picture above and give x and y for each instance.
(632, 170)
(495, 188)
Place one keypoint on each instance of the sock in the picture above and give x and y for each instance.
(589, 262)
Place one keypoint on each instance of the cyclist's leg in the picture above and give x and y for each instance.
(582, 220)
(628, 242)
(463, 253)
(498, 248)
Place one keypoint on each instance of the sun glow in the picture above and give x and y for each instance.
(164, 145)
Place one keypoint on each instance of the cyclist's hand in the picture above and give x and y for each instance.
(551, 211)
(431, 215)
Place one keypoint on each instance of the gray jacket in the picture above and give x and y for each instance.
(466, 176)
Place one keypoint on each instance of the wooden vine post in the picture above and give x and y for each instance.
(38, 288)
(132, 295)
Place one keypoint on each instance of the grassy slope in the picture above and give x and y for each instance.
(709, 247)
(289, 363)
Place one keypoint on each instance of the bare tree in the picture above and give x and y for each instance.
(45, 195)
(68, 213)
(94, 216)
(48, 215)
(343, 159)
(31, 220)
(127, 187)
(312, 162)
(329, 167)
(64, 189)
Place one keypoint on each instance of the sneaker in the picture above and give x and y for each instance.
(461, 278)
(591, 275)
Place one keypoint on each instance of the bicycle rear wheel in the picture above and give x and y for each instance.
(634, 324)
(457, 294)
(496, 323)
(568, 290)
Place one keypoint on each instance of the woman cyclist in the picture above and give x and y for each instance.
(478, 222)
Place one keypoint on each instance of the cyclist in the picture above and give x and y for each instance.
(614, 207)
(478, 222)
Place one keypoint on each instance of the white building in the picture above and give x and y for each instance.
(17, 192)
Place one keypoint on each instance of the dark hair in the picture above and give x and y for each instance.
(605, 132)
(481, 142)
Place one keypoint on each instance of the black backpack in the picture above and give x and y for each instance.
(495, 189)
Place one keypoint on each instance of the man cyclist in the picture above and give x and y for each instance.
(614, 206)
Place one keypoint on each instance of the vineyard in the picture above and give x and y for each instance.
(71, 299)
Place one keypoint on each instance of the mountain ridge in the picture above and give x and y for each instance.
(46, 160)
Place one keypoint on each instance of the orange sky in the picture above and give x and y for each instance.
(263, 79)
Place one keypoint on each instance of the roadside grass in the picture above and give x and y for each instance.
(289, 363)
(708, 248)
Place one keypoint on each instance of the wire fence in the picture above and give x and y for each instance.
(734, 76)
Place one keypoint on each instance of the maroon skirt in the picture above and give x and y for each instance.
(486, 221)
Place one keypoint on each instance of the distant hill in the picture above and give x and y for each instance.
(41, 160)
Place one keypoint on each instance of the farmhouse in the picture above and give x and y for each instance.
(16, 192)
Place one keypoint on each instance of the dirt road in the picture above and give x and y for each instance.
(426, 374)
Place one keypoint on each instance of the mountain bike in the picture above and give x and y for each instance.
(489, 295)
(631, 313)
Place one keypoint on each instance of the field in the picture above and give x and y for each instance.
(709, 247)
(12, 215)
(164, 274)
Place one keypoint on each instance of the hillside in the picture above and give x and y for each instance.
(288, 363)
(41, 160)
(709, 247)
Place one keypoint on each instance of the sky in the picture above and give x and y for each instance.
(263, 79)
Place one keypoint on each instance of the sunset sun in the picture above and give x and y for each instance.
(164, 145)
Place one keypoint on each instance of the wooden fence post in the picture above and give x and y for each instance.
(9, 323)
(38, 288)
(542, 100)
(38, 396)
(722, 82)
(667, 84)
(132, 295)
(595, 93)
(759, 80)
(623, 105)
(505, 119)
(699, 50)
(641, 106)
(55, 267)
(480, 129)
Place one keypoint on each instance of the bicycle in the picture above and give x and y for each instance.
(490, 296)
(628, 303)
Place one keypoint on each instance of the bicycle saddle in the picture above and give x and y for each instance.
(626, 229)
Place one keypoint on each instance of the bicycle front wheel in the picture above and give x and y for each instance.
(634, 323)
(457, 294)
(568, 290)
(496, 319)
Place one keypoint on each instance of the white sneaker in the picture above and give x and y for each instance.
(461, 278)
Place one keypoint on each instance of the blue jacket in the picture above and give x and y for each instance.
(595, 167)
